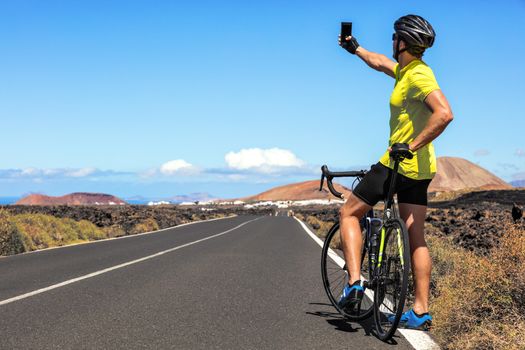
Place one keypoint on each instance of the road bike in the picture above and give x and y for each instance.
(385, 259)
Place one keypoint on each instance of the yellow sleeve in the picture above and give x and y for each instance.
(422, 83)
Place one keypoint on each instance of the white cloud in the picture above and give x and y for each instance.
(29, 172)
(520, 152)
(49, 173)
(80, 172)
(177, 166)
(263, 160)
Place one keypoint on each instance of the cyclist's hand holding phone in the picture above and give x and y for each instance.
(346, 40)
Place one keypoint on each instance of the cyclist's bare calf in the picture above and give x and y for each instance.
(414, 216)
(351, 236)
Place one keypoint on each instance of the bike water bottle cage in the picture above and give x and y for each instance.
(350, 45)
(401, 151)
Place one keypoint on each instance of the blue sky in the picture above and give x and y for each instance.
(159, 98)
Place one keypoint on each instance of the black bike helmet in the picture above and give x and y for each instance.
(416, 32)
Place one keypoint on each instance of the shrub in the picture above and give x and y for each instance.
(114, 231)
(146, 225)
(11, 241)
(90, 232)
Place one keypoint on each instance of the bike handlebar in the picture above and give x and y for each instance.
(331, 174)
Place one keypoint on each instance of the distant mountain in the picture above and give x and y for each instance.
(456, 174)
(518, 183)
(297, 191)
(79, 198)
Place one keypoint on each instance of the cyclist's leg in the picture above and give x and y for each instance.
(351, 236)
(414, 216)
(412, 209)
(365, 195)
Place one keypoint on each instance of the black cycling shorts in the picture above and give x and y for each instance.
(374, 187)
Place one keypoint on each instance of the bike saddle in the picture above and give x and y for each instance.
(401, 151)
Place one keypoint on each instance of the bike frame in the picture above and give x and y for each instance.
(389, 212)
(375, 251)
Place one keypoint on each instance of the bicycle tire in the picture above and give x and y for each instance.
(392, 279)
(335, 275)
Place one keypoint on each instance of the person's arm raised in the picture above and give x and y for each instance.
(377, 61)
(374, 60)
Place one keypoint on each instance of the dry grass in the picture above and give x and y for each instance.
(32, 231)
(320, 227)
(114, 231)
(146, 225)
(44, 231)
(27, 232)
(479, 302)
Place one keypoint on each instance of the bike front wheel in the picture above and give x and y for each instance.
(391, 278)
(335, 274)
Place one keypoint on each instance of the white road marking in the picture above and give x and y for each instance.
(418, 339)
(96, 273)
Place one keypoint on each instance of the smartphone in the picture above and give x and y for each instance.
(346, 30)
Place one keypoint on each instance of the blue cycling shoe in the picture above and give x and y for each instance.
(410, 320)
(351, 296)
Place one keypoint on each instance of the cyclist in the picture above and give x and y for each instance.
(419, 112)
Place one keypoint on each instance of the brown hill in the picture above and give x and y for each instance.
(79, 198)
(298, 191)
(456, 174)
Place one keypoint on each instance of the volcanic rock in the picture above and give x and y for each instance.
(517, 213)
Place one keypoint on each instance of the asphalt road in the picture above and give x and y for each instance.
(255, 286)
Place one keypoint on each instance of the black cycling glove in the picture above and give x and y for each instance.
(401, 149)
(350, 45)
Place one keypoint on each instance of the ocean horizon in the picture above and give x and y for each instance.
(8, 200)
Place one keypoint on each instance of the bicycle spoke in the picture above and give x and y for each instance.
(334, 272)
(339, 287)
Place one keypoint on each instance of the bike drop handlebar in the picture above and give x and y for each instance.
(330, 176)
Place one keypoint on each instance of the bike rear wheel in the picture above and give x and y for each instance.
(392, 278)
(335, 275)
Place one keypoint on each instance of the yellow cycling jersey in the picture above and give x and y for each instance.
(408, 117)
